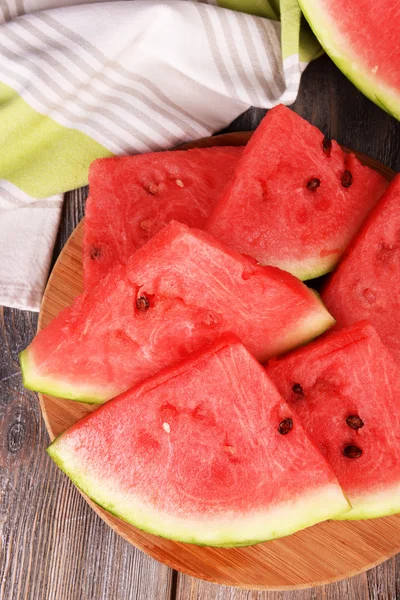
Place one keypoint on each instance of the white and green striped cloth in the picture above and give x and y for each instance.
(83, 81)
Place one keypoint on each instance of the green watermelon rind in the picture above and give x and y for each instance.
(49, 386)
(310, 269)
(310, 327)
(333, 43)
(378, 503)
(325, 503)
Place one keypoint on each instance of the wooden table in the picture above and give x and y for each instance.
(52, 545)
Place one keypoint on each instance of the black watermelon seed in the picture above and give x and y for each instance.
(327, 146)
(313, 184)
(142, 303)
(354, 422)
(297, 389)
(347, 179)
(352, 452)
(95, 253)
(285, 426)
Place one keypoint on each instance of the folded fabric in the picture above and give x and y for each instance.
(83, 81)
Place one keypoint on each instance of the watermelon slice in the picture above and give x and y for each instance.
(178, 292)
(296, 199)
(367, 285)
(346, 390)
(205, 452)
(136, 196)
(362, 38)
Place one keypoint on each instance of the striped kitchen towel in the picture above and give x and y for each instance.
(81, 81)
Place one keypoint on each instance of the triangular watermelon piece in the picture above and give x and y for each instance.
(180, 291)
(206, 452)
(366, 284)
(296, 199)
(132, 197)
(345, 388)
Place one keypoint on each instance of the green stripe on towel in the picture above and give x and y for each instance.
(48, 158)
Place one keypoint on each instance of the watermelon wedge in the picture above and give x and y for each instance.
(205, 452)
(367, 285)
(362, 38)
(296, 199)
(132, 197)
(345, 388)
(180, 291)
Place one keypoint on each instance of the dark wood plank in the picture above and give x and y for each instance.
(378, 584)
(52, 545)
(193, 589)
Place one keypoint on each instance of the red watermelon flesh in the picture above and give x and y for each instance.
(366, 284)
(345, 388)
(132, 197)
(180, 291)
(205, 452)
(362, 38)
(296, 199)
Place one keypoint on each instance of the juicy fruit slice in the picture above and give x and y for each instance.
(366, 284)
(362, 38)
(178, 292)
(345, 388)
(198, 454)
(296, 199)
(133, 197)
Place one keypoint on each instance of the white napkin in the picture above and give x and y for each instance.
(92, 80)
(28, 229)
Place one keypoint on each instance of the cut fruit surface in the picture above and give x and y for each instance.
(180, 291)
(345, 388)
(296, 198)
(198, 454)
(132, 197)
(362, 38)
(366, 284)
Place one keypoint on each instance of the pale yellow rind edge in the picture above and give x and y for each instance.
(232, 529)
(59, 388)
(315, 323)
(306, 330)
(380, 503)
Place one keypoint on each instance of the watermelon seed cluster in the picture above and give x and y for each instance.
(354, 422)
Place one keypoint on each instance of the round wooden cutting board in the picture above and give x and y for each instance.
(321, 554)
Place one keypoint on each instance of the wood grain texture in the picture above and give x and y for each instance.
(52, 545)
(378, 584)
(323, 553)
